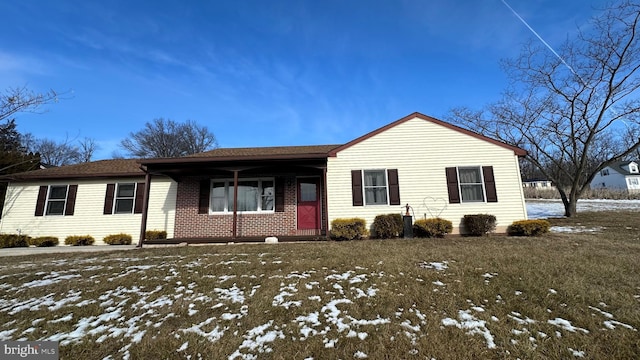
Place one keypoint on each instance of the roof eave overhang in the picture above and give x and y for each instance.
(230, 159)
(74, 177)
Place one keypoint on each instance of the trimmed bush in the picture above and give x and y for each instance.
(528, 228)
(479, 224)
(79, 240)
(348, 229)
(44, 241)
(118, 239)
(13, 241)
(433, 227)
(387, 226)
(155, 234)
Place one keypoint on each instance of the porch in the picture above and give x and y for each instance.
(245, 199)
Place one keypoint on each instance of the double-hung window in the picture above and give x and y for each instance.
(471, 184)
(125, 197)
(56, 199)
(375, 187)
(255, 195)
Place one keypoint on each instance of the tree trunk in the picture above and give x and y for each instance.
(570, 207)
(569, 203)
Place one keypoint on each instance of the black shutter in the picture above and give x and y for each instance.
(452, 185)
(108, 199)
(489, 184)
(394, 187)
(356, 187)
(205, 192)
(42, 199)
(279, 194)
(137, 207)
(71, 200)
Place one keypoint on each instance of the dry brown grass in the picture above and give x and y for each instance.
(556, 276)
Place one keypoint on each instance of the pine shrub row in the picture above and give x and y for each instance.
(79, 240)
(13, 241)
(528, 228)
(434, 227)
(479, 224)
(387, 226)
(155, 235)
(348, 229)
(118, 239)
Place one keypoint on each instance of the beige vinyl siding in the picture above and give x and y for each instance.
(88, 218)
(421, 150)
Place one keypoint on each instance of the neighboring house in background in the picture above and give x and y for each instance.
(624, 175)
(291, 192)
(538, 184)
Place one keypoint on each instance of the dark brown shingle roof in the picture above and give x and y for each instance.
(250, 154)
(267, 151)
(95, 169)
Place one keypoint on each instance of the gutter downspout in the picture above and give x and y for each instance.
(145, 207)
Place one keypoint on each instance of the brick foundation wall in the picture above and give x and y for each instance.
(191, 224)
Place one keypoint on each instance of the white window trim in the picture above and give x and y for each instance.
(228, 196)
(115, 198)
(64, 207)
(364, 187)
(484, 188)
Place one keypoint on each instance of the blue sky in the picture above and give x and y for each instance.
(264, 73)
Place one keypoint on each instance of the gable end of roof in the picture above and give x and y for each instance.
(516, 150)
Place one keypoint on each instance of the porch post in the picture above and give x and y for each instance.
(145, 208)
(325, 220)
(235, 204)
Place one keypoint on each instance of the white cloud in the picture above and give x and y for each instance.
(15, 69)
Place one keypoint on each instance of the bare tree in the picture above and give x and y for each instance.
(86, 149)
(168, 138)
(57, 153)
(20, 99)
(577, 115)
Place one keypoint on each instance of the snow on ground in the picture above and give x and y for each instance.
(131, 314)
(542, 209)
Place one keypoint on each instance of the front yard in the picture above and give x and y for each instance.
(564, 295)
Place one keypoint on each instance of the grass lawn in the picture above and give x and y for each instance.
(561, 296)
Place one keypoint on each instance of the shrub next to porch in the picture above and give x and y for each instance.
(348, 229)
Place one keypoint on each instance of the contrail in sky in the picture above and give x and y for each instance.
(541, 39)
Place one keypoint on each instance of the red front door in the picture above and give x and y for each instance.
(308, 204)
